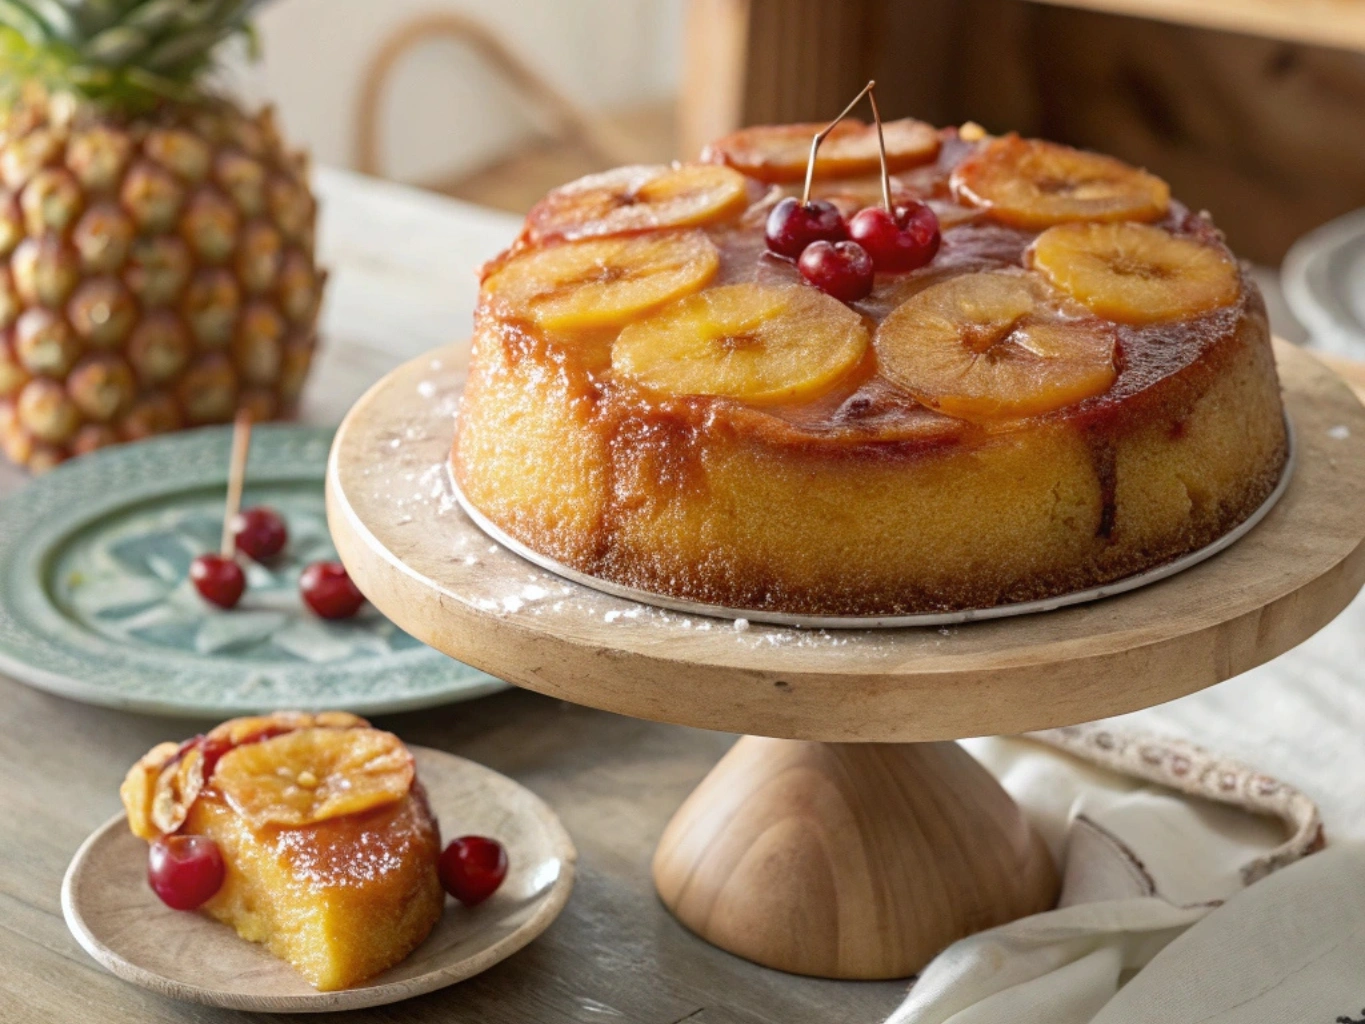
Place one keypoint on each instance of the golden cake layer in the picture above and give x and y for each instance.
(1078, 387)
(341, 900)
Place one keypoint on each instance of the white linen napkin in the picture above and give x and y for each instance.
(1160, 843)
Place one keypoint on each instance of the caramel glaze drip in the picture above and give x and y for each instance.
(867, 417)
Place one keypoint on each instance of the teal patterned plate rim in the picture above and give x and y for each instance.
(95, 604)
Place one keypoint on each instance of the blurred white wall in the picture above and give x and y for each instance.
(445, 111)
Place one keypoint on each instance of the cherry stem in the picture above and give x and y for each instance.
(881, 150)
(241, 448)
(820, 137)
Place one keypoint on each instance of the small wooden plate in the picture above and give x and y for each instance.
(119, 921)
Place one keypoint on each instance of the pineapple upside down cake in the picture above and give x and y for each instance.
(996, 370)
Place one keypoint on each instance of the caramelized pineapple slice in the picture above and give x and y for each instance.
(602, 282)
(236, 731)
(984, 348)
(763, 344)
(160, 789)
(313, 774)
(140, 789)
(1029, 183)
(177, 788)
(778, 153)
(642, 198)
(1136, 273)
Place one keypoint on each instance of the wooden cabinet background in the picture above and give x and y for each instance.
(1268, 136)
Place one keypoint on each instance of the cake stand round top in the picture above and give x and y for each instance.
(426, 565)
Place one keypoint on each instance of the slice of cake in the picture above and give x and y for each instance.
(328, 849)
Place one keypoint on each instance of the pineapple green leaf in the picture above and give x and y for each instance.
(94, 16)
(155, 16)
(116, 46)
(148, 83)
(122, 53)
(180, 49)
(21, 21)
(253, 41)
(195, 13)
(58, 22)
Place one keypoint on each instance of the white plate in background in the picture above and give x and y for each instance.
(1324, 284)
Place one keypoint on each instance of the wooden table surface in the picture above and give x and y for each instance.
(402, 282)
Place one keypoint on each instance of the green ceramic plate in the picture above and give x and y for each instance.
(96, 605)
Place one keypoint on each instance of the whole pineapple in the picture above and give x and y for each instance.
(156, 242)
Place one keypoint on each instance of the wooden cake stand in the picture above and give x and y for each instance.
(858, 841)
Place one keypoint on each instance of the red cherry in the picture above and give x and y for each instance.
(212, 752)
(472, 868)
(793, 225)
(904, 240)
(841, 269)
(219, 580)
(185, 871)
(329, 591)
(260, 533)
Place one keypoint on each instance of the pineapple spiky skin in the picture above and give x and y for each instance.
(157, 263)
(157, 271)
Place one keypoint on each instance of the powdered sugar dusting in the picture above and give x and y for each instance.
(409, 475)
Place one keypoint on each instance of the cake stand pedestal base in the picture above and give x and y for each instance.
(849, 860)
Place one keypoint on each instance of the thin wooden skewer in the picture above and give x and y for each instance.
(820, 137)
(241, 448)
